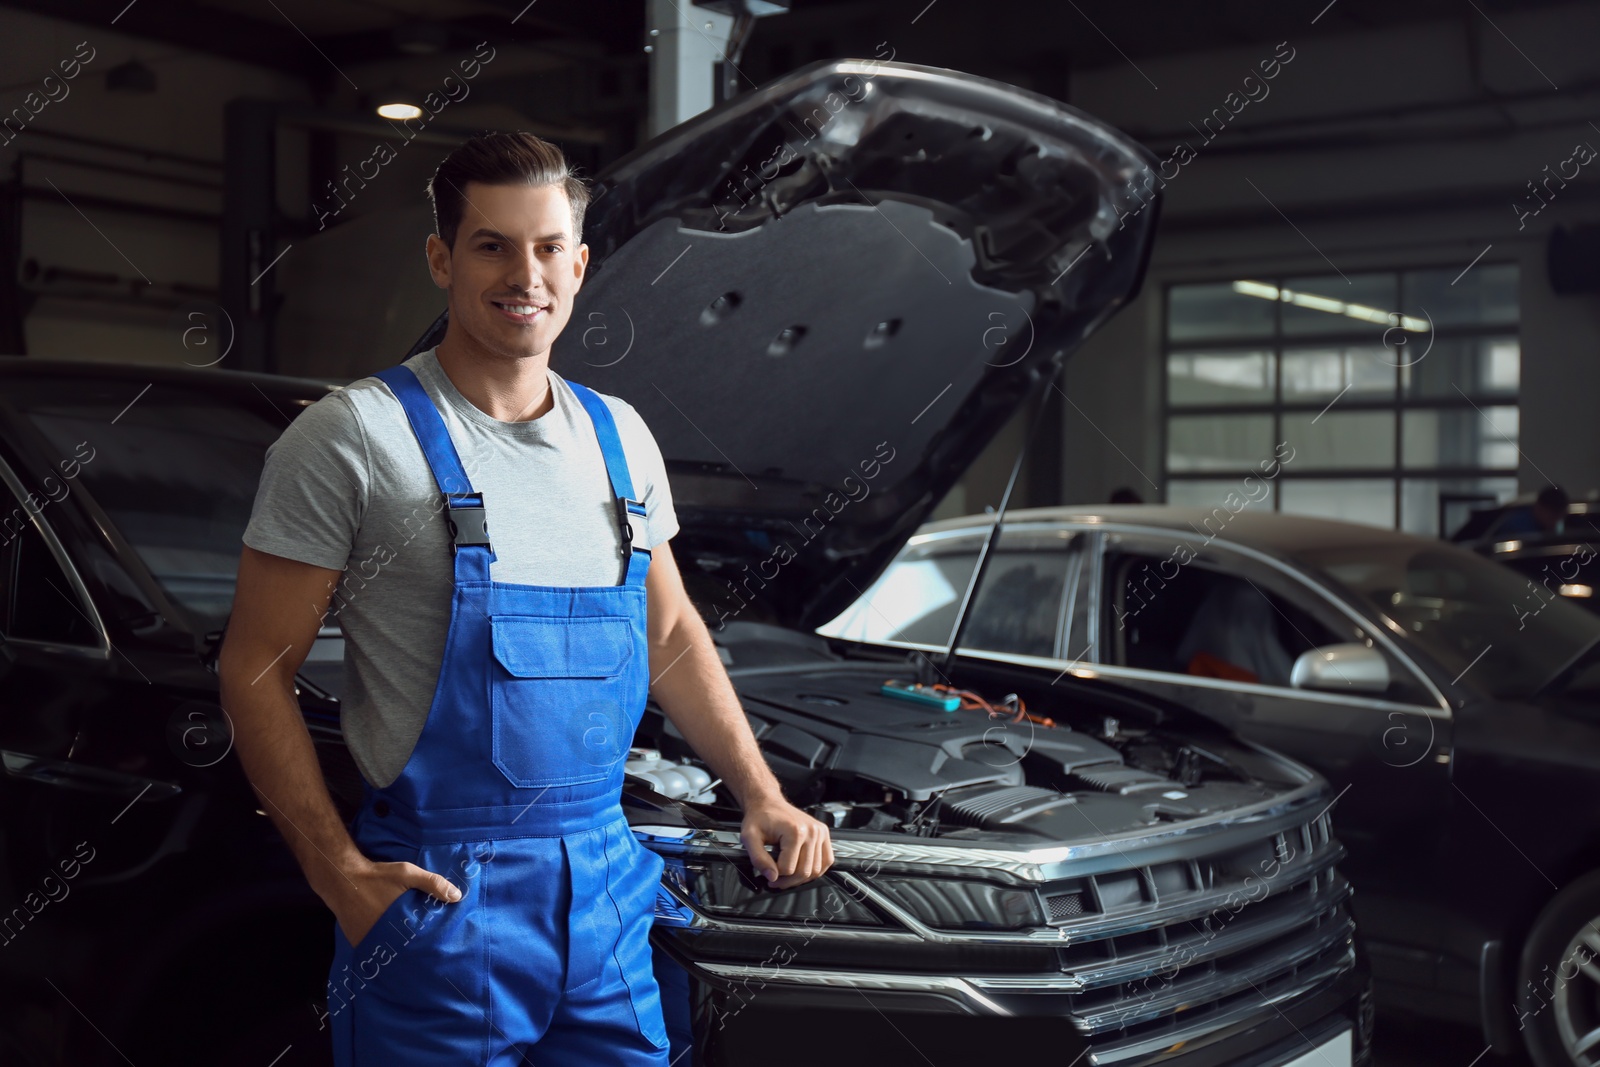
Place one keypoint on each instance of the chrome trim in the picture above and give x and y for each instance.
(1262, 819)
(68, 775)
(74, 579)
(1167, 678)
(1098, 546)
(1295, 575)
(1192, 906)
(1112, 1053)
(1154, 961)
(1069, 595)
(970, 989)
(1366, 625)
(1214, 987)
(897, 983)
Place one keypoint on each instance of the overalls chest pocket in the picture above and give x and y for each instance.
(561, 694)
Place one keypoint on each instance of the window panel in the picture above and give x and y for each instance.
(1484, 295)
(1364, 500)
(1324, 372)
(1418, 372)
(1207, 312)
(1018, 607)
(1218, 442)
(915, 599)
(1473, 367)
(1219, 378)
(1333, 440)
(1420, 499)
(1471, 437)
(1256, 492)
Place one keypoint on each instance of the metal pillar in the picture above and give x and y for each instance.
(249, 242)
(686, 43)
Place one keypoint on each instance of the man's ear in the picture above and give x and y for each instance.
(438, 256)
(580, 264)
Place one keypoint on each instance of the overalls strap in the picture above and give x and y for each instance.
(630, 512)
(465, 513)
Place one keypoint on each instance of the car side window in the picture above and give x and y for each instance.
(1019, 607)
(1213, 618)
(916, 598)
(43, 604)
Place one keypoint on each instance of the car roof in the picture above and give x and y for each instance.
(1263, 530)
(166, 373)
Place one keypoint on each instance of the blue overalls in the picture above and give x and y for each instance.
(513, 793)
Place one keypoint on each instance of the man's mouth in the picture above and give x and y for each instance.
(523, 314)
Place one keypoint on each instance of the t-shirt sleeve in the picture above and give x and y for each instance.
(313, 489)
(661, 519)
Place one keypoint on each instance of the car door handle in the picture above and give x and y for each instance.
(67, 775)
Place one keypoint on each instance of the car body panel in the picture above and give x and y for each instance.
(1436, 792)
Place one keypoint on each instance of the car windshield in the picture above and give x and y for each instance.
(1485, 624)
(174, 467)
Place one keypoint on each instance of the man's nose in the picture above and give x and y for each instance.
(523, 271)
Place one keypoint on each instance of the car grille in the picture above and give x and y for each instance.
(1134, 955)
(1152, 948)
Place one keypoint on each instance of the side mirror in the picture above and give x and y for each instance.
(1341, 668)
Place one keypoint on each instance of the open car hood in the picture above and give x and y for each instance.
(827, 295)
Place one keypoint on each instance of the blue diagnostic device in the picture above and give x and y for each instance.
(921, 694)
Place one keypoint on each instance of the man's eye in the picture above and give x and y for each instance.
(553, 248)
(489, 244)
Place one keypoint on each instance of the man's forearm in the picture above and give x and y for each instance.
(281, 763)
(693, 689)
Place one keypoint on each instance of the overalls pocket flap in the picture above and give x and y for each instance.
(548, 646)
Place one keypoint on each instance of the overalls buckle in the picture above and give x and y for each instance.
(469, 525)
(627, 517)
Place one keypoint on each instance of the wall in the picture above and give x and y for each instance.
(1385, 149)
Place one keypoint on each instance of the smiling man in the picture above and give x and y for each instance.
(489, 709)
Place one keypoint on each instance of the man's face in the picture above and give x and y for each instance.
(514, 250)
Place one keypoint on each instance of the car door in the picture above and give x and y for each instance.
(69, 756)
(1219, 628)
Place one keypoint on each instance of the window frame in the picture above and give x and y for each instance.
(1397, 403)
(17, 493)
(1251, 560)
(1071, 583)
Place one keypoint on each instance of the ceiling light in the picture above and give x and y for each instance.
(399, 111)
(1333, 307)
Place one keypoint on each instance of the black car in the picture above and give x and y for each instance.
(1060, 869)
(1564, 562)
(1456, 711)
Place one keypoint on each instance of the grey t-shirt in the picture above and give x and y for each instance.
(346, 486)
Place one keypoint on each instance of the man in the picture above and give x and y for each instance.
(1545, 515)
(490, 899)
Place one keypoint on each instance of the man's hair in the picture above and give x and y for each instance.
(1554, 498)
(500, 158)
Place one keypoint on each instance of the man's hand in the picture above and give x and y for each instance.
(376, 885)
(805, 849)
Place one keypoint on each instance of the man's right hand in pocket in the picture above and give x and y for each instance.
(370, 889)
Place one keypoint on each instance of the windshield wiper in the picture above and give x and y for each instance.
(1569, 670)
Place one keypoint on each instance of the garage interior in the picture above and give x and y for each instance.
(1387, 250)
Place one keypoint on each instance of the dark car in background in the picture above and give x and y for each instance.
(1457, 713)
(1066, 869)
(1563, 562)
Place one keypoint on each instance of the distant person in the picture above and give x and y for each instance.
(1544, 515)
(1126, 495)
